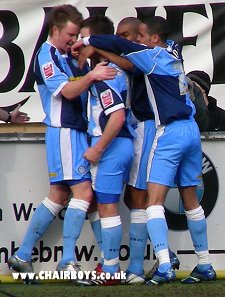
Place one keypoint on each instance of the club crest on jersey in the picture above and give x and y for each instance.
(107, 98)
(48, 70)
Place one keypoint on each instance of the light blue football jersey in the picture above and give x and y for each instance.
(53, 70)
(106, 97)
(175, 156)
(165, 80)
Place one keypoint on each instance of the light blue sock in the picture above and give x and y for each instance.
(138, 239)
(73, 222)
(111, 240)
(158, 232)
(198, 230)
(198, 234)
(40, 221)
(97, 230)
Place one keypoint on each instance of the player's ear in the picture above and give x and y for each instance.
(156, 38)
(54, 29)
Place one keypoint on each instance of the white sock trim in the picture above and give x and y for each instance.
(79, 204)
(53, 207)
(196, 214)
(110, 222)
(93, 216)
(163, 256)
(155, 212)
(138, 216)
(111, 261)
(102, 254)
(203, 257)
(20, 259)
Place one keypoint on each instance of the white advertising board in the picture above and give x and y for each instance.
(24, 184)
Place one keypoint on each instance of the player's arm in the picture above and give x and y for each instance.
(140, 55)
(113, 43)
(90, 51)
(110, 43)
(122, 62)
(113, 107)
(49, 71)
(112, 128)
(4, 115)
(15, 117)
(101, 72)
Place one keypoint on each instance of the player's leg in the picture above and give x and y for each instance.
(73, 221)
(198, 230)
(158, 232)
(164, 159)
(102, 179)
(41, 219)
(108, 183)
(156, 221)
(94, 218)
(196, 224)
(74, 171)
(135, 198)
(50, 206)
(138, 234)
(111, 234)
(189, 177)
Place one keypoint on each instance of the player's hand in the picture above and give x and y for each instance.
(18, 117)
(92, 154)
(77, 46)
(103, 72)
(85, 53)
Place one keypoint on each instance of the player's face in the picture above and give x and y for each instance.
(127, 32)
(144, 37)
(65, 37)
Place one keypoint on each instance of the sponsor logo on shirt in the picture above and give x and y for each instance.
(48, 70)
(52, 174)
(72, 78)
(107, 98)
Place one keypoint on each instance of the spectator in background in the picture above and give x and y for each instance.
(15, 117)
(209, 116)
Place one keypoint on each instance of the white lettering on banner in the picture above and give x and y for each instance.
(23, 275)
(206, 166)
(68, 275)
